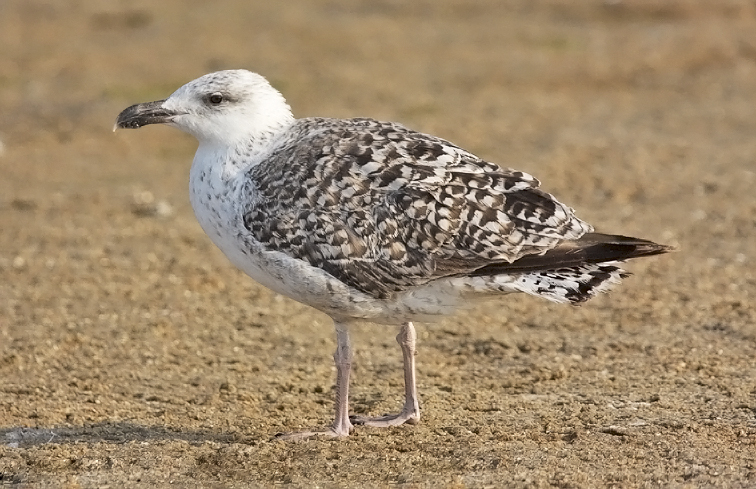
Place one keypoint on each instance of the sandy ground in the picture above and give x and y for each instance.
(132, 352)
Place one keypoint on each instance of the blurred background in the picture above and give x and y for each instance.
(120, 324)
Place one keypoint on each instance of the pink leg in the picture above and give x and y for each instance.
(343, 359)
(341, 424)
(410, 413)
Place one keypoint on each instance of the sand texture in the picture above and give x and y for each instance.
(132, 353)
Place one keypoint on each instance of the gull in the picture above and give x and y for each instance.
(371, 221)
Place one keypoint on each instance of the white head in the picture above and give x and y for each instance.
(226, 107)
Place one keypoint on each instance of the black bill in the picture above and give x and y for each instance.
(140, 115)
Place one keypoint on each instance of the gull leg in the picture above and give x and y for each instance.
(343, 359)
(341, 424)
(410, 413)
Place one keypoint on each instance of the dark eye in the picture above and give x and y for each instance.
(215, 98)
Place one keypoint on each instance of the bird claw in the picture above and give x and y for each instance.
(306, 435)
(388, 420)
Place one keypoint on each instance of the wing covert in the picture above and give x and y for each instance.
(383, 208)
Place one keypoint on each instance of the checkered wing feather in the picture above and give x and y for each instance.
(384, 209)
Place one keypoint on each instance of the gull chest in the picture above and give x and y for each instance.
(214, 192)
(218, 194)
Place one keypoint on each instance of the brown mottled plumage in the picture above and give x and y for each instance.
(383, 208)
(364, 219)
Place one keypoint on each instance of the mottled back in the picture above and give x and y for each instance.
(383, 208)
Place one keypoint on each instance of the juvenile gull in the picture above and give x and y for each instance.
(369, 220)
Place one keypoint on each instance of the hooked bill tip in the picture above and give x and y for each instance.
(139, 115)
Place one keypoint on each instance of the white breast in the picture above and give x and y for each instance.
(217, 193)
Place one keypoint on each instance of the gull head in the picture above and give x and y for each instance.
(226, 107)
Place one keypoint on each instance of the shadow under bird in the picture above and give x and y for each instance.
(370, 220)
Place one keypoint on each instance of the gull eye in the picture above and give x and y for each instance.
(215, 98)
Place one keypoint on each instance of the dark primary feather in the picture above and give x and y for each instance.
(589, 248)
(384, 208)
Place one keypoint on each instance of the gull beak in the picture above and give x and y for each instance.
(140, 115)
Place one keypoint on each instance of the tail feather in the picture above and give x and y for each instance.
(573, 285)
(575, 270)
(590, 248)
